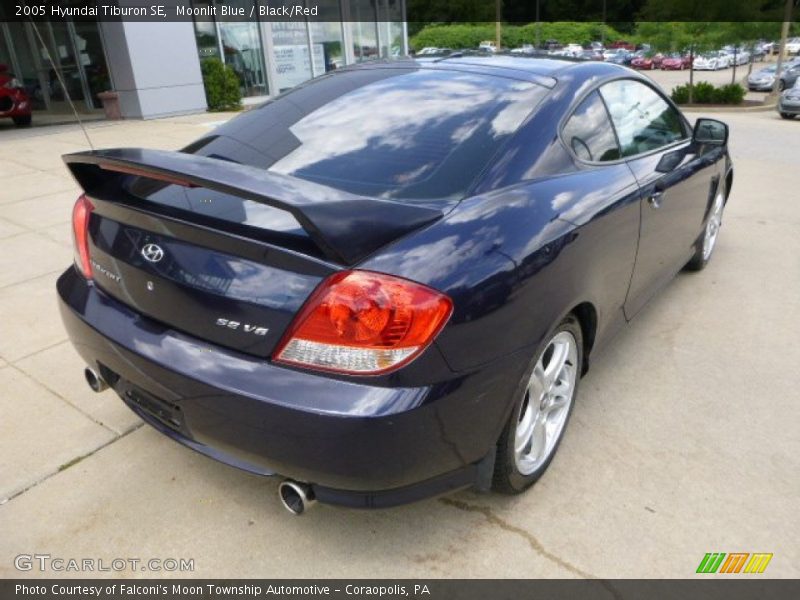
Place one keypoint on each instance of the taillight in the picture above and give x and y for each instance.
(80, 233)
(364, 323)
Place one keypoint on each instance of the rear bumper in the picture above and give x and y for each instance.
(357, 444)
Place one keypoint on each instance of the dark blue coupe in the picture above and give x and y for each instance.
(386, 283)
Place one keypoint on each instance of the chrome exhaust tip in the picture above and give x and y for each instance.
(95, 381)
(296, 497)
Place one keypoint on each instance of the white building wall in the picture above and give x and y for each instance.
(155, 69)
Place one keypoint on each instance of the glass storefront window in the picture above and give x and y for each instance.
(92, 60)
(390, 28)
(241, 45)
(364, 30)
(290, 54)
(326, 40)
(205, 33)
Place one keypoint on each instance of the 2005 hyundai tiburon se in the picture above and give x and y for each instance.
(386, 283)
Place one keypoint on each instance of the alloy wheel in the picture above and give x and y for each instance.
(712, 227)
(547, 402)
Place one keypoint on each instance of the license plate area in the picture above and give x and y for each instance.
(165, 412)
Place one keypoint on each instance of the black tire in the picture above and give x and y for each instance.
(507, 477)
(22, 121)
(787, 116)
(781, 85)
(699, 260)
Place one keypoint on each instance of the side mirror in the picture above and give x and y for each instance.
(710, 131)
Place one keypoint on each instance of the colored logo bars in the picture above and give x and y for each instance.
(736, 562)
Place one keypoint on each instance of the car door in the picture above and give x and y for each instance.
(675, 183)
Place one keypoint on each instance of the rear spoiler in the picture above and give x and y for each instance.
(346, 228)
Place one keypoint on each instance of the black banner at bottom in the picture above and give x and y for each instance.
(340, 589)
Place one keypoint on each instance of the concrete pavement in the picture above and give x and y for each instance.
(684, 440)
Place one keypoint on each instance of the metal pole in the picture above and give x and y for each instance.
(497, 16)
(603, 26)
(405, 27)
(787, 19)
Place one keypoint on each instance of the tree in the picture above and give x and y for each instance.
(674, 36)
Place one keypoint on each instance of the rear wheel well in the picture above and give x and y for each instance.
(586, 314)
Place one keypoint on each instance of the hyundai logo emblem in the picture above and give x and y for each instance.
(152, 253)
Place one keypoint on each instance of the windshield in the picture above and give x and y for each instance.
(386, 132)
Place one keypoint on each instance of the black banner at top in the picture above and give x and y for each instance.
(415, 11)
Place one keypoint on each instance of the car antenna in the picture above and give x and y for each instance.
(60, 78)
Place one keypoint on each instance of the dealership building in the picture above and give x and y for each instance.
(155, 66)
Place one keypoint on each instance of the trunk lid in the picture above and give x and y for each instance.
(220, 251)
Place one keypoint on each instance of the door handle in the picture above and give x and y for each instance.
(655, 198)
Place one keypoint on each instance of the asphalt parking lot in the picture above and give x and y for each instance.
(684, 440)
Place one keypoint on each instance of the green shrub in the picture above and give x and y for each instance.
(733, 93)
(222, 85)
(705, 93)
(680, 94)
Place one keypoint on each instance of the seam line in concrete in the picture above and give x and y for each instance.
(35, 352)
(34, 278)
(71, 463)
(534, 543)
(60, 397)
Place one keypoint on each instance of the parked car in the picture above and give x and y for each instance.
(647, 62)
(488, 47)
(676, 62)
(759, 51)
(625, 45)
(712, 61)
(407, 311)
(793, 45)
(573, 49)
(741, 57)
(591, 54)
(428, 50)
(550, 45)
(618, 56)
(763, 80)
(789, 102)
(14, 100)
(524, 49)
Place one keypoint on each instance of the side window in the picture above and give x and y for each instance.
(589, 133)
(643, 119)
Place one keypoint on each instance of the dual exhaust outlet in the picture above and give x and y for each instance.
(295, 497)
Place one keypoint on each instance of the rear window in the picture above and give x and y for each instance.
(392, 133)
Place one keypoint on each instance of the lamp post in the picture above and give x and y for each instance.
(497, 15)
(787, 19)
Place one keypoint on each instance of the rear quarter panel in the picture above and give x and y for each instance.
(516, 261)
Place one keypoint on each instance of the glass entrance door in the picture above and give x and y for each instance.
(58, 64)
(54, 60)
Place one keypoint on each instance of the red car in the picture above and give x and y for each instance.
(676, 62)
(647, 63)
(14, 100)
(625, 45)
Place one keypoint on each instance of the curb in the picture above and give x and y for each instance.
(728, 109)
